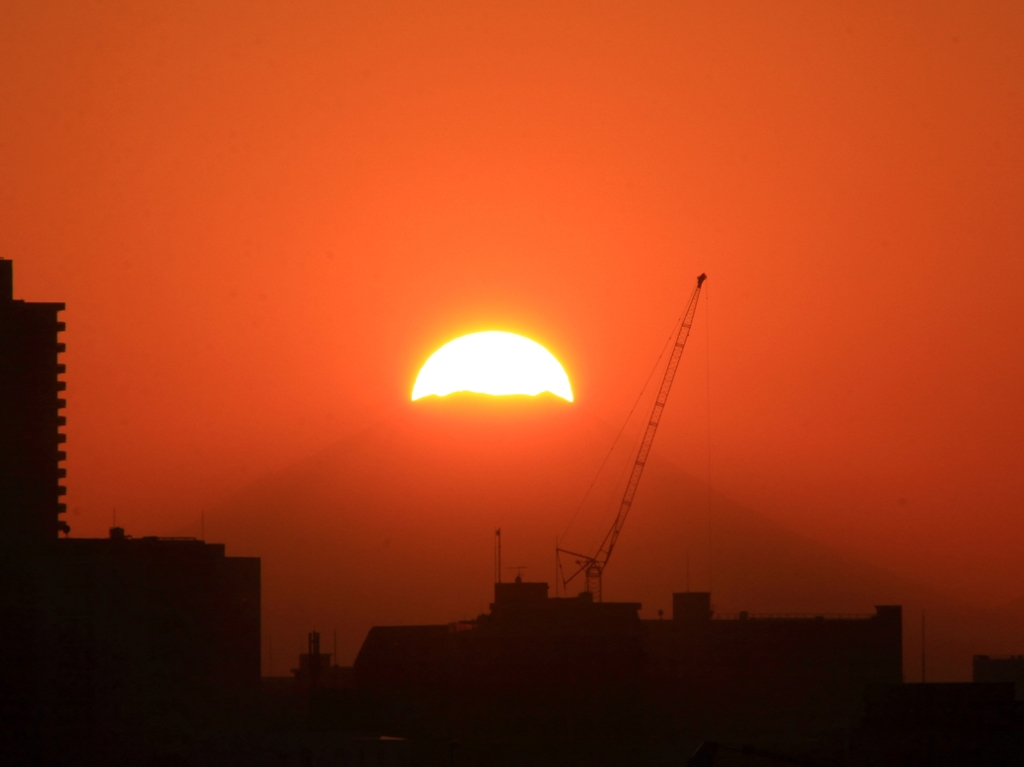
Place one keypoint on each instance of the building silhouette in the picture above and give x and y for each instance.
(115, 650)
(817, 662)
(30, 488)
(529, 639)
(1000, 668)
(959, 723)
(140, 641)
(30, 416)
(592, 680)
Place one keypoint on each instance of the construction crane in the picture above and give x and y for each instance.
(593, 566)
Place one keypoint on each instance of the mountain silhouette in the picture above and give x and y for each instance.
(395, 525)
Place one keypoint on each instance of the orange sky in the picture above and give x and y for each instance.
(263, 217)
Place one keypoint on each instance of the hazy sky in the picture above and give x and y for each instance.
(263, 217)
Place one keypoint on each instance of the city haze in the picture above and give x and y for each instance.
(263, 220)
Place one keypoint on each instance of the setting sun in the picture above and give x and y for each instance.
(492, 362)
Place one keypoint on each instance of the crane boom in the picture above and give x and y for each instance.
(594, 566)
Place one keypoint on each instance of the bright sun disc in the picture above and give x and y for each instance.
(492, 362)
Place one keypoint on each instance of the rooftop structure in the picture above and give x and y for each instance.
(1000, 668)
(530, 641)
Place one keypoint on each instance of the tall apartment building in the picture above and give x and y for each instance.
(30, 493)
(30, 419)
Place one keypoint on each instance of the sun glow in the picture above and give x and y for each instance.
(492, 362)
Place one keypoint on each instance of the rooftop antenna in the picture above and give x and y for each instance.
(556, 567)
(497, 555)
(314, 657)
(519, 571)
(202, 526)
(923, 677)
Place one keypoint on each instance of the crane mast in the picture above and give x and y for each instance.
(593, 566)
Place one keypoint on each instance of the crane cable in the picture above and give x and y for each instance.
(707, 351)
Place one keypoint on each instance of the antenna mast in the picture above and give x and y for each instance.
(593, 566)
(497, 555)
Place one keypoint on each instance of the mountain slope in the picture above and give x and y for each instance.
(396, 524)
